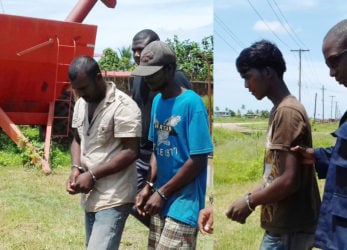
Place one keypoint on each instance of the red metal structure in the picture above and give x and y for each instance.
(34, 61)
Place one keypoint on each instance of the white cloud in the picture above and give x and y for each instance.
(271, 26)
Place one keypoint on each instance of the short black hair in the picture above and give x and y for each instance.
(83, 64)
(147, 34)
(260, 55)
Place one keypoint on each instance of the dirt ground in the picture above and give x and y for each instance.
(235, 126)
(232, 126)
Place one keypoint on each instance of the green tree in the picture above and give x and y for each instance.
(232, 113)
(120, 61)
(193, 58)
(126, 62)
(264, 114)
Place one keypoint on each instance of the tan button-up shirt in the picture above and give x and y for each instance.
(116, 117)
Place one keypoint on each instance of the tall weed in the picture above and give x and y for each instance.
(11, 155)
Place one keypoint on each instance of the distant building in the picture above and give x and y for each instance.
(221, 114)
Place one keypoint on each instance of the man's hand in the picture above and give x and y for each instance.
(238, 211)
(205, 221)
(306, 154)
(71, 181)
(154, 204)
(84, 183)
(141, 199)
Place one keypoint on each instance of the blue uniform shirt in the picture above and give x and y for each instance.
(331, 164)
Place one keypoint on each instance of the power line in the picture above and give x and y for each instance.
(292, 30)
(256, 11)
(312, 69)
(285, 26)
(226, 42)
(229, 32)
(293, 36)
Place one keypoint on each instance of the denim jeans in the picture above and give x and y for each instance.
(291, 241)
(104, 228)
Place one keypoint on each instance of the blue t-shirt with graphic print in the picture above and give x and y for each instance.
(179, 128)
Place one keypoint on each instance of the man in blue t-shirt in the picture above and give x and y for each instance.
(143, 96)
(179, 130)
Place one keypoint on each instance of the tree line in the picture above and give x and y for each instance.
(193, 58)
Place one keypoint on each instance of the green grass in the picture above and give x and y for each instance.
(238, 168)
(239, 119)
(238, 156)
(37, 212)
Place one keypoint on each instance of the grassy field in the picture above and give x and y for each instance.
(37, 213)
(238, 167)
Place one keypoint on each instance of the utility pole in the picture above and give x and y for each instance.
(323, 101)
(335, 110)
(331, 108)
(300, 51)
(315, 107)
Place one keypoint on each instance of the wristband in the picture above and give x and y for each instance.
(92, 175)
(80, 169)
(247, 201)
(162, 195)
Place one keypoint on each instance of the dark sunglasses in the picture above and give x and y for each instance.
(334, 60)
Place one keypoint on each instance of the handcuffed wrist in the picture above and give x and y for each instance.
(92, 176)
(151, 185)
(153, 189)
(248, 202)
(80, 169)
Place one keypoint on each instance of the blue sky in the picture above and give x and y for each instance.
(188, 19)
(292, 25)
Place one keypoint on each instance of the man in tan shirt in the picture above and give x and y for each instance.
(107, 124)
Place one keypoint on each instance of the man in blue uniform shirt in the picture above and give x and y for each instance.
(331, 163)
